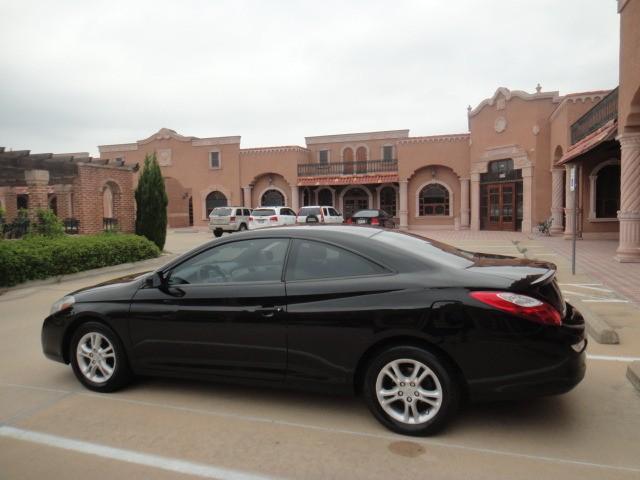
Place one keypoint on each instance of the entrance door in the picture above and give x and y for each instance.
(500, 201)
(354, 200)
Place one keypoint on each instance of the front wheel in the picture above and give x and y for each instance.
(242, 228)
(98, 358)
(411, 391)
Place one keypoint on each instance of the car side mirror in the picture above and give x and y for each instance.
(155, 280)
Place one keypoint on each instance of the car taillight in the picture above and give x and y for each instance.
(375, 221)
(349, 221)
(274, 218)
(521, 305)
(232, 219)
(251, 219)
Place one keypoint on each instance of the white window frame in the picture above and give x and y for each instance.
(421, 187)
(328, 156)
(393, 151)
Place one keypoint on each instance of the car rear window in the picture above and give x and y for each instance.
(309, 211)
(221, 212)
(427, 248)
(366, 213)
(263, 212)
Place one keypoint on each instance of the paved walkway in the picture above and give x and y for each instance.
(595, 258)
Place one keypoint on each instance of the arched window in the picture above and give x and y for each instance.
(607, 194)
(361, 154)
(53, 203)
(388, 200)
(107, 202)
(433, 199)
(215, 199)
(325, 197)
(272, 198)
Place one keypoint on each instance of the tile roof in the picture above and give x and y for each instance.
(606, 132)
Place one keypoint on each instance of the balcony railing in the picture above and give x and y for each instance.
(347, 168)
(605, 110)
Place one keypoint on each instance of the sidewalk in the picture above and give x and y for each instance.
(595, 257)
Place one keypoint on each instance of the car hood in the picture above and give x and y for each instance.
(120, 288)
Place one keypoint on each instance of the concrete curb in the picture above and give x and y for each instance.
(633, 374)
(151, 264)
(597, 327)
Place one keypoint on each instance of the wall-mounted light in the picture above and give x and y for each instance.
(433, 173)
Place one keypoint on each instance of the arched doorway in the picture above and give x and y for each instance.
(347, 159)
(325, 197)
(272, 198)
(388, 200)
(191, 211)
(53, 203)
(354, 199)
(361, 160)
(306, 197)
(215, 199)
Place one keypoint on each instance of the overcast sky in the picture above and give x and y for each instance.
(77, 74)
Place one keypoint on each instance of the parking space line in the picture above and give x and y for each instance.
(613, 358)
(129, 456)
(606, 300)
(383, 436)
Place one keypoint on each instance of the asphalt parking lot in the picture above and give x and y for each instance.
(50, 427)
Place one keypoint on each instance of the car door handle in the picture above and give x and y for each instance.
(269, 312)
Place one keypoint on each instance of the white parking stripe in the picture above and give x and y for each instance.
(581, 284)
(148, 460)
(613, 358)
(606, 300)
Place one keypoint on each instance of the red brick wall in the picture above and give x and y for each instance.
(87, 199)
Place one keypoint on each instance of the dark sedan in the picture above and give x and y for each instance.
(414, 325)
(375, 218)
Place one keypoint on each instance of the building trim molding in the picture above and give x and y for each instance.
(417, 199)
(594, 96)
(509, 94)
(357, 137)
(283, 148)
(454, 137)
(205, 142)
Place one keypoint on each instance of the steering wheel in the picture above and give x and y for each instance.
(205, 270)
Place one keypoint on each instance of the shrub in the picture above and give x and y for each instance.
(38, 257)
(151, 201)
(47, 224)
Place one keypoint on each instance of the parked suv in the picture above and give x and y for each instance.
(319, 214)
(271, 217)
(228, 219)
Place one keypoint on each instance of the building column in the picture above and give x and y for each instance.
(527, 196)
(10, 203)
(38, 183)
(570, 204)
(404, 211)
(295, 198)
(464, 203)
(629, 213)
(246, 196)
(556, 200)
(63, 197)
(475, 201)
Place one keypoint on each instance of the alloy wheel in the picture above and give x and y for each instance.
(409, 391)
(96, 357)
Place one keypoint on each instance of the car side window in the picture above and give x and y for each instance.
(290, 212)
(256, 260)
(316, 260)
(334, 212)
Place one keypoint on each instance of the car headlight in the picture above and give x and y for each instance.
(62, 304)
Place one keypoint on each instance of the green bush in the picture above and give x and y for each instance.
(151, 201)
(38, 257)
(47, 224)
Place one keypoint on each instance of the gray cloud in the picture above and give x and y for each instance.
(76, 74)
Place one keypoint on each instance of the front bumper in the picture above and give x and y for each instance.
(52, 337)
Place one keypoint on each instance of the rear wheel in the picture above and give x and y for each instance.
(411, 391)
(98, 358)
(242, 228)
(217, 233)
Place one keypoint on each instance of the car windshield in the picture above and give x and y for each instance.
(367, 213)
(263, 212)
(310, 211)
(427, 248)
(221, 212)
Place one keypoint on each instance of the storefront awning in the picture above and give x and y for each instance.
(606, 132)
(347, 180)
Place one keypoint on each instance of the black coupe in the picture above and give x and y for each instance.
(414, 325)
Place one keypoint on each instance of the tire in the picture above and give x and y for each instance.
(429, 413)
(217, 233)
(242, 227)
(101, 337)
